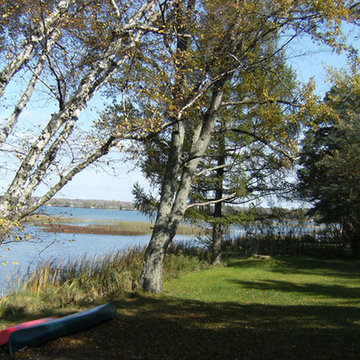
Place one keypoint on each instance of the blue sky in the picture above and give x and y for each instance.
(95, 183)
(119, 186)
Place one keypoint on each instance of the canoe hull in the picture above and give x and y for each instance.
(39, 334)
(4, 334)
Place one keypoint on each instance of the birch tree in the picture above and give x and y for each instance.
(63, 51)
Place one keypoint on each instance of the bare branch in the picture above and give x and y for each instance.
(64, 179)
(229, 197)
(253, 102)
(212, 169)
(116, 8)
(12, 120)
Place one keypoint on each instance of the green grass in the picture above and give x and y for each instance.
(283, 308)
(285, 281)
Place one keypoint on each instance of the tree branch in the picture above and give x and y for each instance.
(64, 179)
(229, 197)
(263, 141)
(253, 102)
(28, 46)
(212, 169)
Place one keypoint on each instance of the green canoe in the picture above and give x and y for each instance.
(39, 334)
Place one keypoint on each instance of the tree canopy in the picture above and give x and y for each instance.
(329, 176)
(214, 46)
(60, 53)
(169, 66)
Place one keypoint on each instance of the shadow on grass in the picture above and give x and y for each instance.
(316, 290)
(349, 268)
(167, 328)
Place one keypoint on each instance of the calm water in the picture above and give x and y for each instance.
(47, 246)
(62, 247)
(99, 216)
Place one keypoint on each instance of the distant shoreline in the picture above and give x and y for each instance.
(91, 204)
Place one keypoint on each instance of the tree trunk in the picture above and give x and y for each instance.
(173, 204)
(216, 243)
(219, 193)
(43, 151)
(217, 226)
(164, 229)
(162, 236)
(39, 33)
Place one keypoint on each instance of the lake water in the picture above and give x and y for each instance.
(46, 246)
(98, 216)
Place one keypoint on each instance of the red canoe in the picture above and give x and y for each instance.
(4, 334)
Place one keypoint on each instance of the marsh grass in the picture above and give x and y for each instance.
(112, 227)
(85, 281)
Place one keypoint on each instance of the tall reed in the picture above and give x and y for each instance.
(83, 280)
(55, 285)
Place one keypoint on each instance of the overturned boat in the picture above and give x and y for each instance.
(41, 333)
(5, 334)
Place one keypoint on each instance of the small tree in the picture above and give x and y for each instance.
(243, 162)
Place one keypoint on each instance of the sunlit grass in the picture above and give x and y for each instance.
(284, 281)
(255, 308)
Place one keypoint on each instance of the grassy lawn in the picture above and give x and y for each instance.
(285, 281)
(286, 308)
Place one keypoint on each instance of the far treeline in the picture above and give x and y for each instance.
(91, 204)
(199, 94)
(261, 212)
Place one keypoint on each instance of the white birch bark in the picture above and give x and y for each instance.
(24, 100)
(98, 75)
(28, 46)
(66, 177)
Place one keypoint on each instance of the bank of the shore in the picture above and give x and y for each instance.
(286, 308)
(70, 234)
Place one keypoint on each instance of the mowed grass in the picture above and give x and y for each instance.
(284, 308)
(285, 281)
